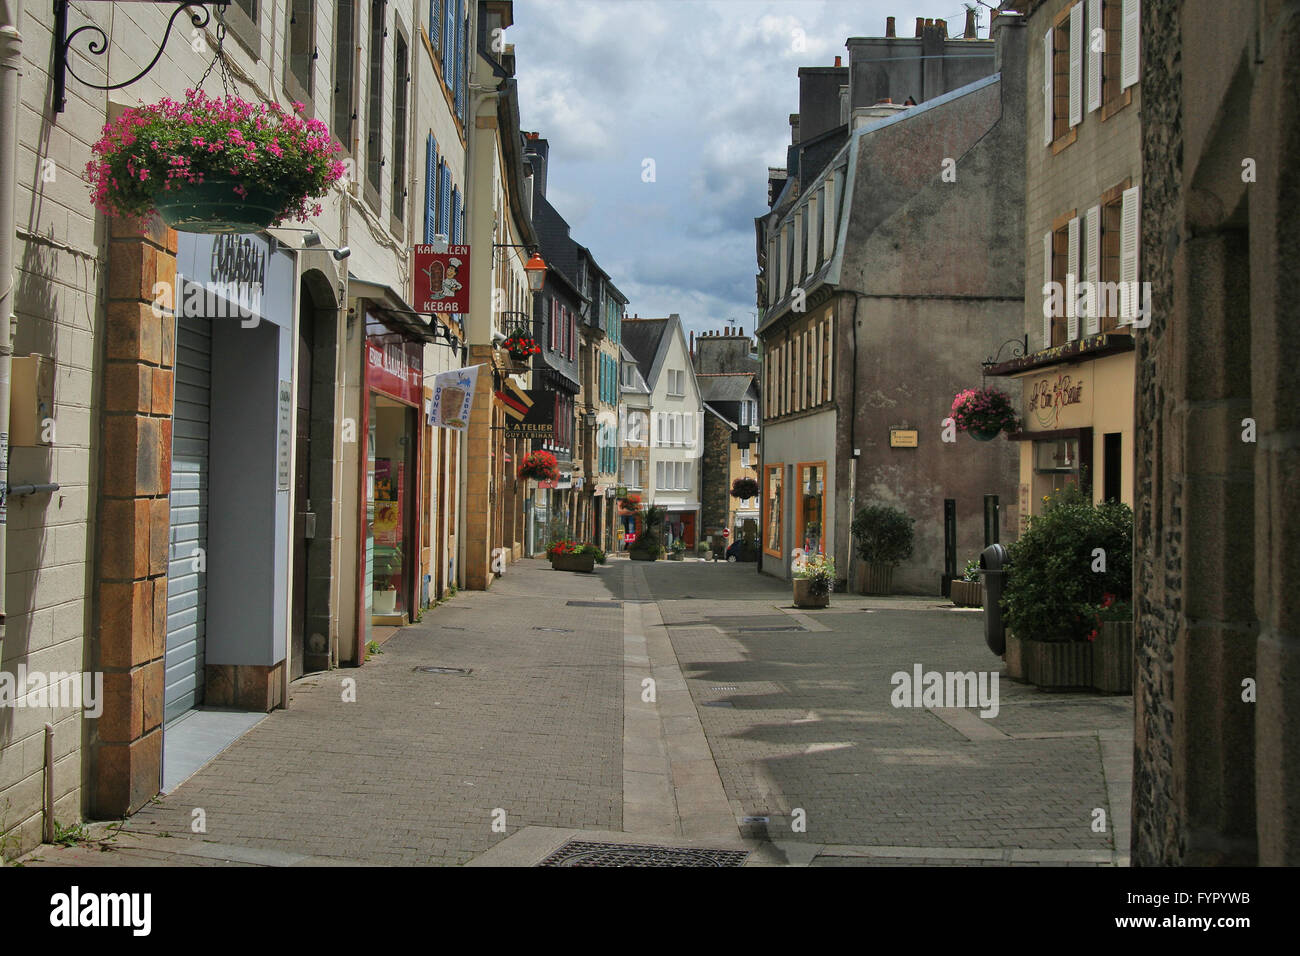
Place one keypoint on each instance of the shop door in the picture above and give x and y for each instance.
(304, 519)
(187, 555)
(688, 529)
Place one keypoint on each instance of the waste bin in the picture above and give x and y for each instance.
(994, 562)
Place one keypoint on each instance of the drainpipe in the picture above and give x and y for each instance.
(11, 65)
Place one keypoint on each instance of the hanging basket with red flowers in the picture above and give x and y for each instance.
(984, 413)
(539, 466)
(520, 344)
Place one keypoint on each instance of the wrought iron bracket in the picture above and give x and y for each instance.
(98, 46)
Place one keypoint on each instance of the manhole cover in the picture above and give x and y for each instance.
(593, 603)
(442, 670)
(578, 853)
(779, 627)
(557, 630)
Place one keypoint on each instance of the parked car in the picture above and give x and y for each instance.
(742, 551)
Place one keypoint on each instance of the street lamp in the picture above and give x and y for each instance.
(536, 269)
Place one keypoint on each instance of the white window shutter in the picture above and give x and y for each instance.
(796, 272)
(773, 274)
(1128, 255)
(828, 216)
(1047, 279)
(1072, 270)
(1092, 266)
(1095, 55)
(1076, 64)
(1130, 43)
(1047, 88)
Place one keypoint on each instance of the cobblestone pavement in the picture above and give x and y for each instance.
(803, 720)
(795, 706)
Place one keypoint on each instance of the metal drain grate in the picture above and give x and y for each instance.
(557, 630)
(725, 687)
(593, 603)
(443, 670)
(779, 627)
(578, 853)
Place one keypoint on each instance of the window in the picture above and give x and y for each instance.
(1112, 466)
(744, 458)
(301, 58)
(676, 383)
(244, 19)
(401, 82)
(811, 533)
(344, 107)
(374, 107)
(772, 509)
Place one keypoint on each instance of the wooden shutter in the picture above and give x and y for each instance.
(1130, 43)
(1047, 280)
(435, 18)
(1094, 55)
(1072, 272)
(1128, 255)
(430, 182)
(1047, 88)
(1076, 64)
(1092, 267)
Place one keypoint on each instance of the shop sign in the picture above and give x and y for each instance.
(442, 280)
(1047, 399)
(902, 438)
(530, 413)
(285, 449)
(453, 398)
(395, 367)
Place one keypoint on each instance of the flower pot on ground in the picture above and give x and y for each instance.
(814, 579)
(569, 555)
(1057, 665)
(574, 562)
(213, 164)
(385, 602)
(884, 539)
(1112, 658)
(967, 593)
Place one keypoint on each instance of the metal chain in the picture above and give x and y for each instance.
(219, 57)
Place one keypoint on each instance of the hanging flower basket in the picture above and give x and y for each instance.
(984, 413)
(539, 466)
(521, 346)
(213, 164)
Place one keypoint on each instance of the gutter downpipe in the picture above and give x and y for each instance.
(11, 68)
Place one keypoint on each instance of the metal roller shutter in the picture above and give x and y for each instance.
(186, 570)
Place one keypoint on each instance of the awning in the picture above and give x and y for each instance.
(391, 309)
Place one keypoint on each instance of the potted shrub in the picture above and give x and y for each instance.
(213, 164)
(814, 578)
(967, 591)
(572, 556)
(984, 413)
(387, 571)
(1069, 585)
(648, 545)
(539, 466)
(678, 551)
(884, 536)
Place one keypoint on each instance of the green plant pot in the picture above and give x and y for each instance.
(984, 434)
(213, 207)
(574, 562)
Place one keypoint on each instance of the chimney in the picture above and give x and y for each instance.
(969, 33)
(794, 129)
(943, 28)
(837, 62)
(889, 27)
(920, 25)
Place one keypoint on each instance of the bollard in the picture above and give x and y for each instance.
(994, 561)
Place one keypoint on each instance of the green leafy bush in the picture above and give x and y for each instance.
(971, 572)
(1052, 591)
(884, 534)
(651, 539)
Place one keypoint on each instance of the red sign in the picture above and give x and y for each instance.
(395, 367)
(628, 538)
(442, 280)
(726, 532)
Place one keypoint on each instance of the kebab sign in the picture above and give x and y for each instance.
(442, 280)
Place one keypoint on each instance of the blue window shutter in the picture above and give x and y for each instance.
(435, 18)
(448, 40)
(430, 188)
(455, 216)
(444, 200)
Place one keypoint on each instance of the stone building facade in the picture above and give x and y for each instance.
(1217, 769)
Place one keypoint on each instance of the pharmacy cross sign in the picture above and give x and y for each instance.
(199, 18)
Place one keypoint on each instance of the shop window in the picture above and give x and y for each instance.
(344, 106)
(772, 505)
(811, 526)
(1056, 465)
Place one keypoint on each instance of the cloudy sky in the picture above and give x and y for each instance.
(704, 88)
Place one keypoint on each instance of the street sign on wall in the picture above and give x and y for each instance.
(442, 280)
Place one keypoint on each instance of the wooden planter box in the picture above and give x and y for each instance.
(967, 593)
(1112, 658)
(643, 556)
(874, 578)
(1056, 665)
(574, 562)
(803, 596)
